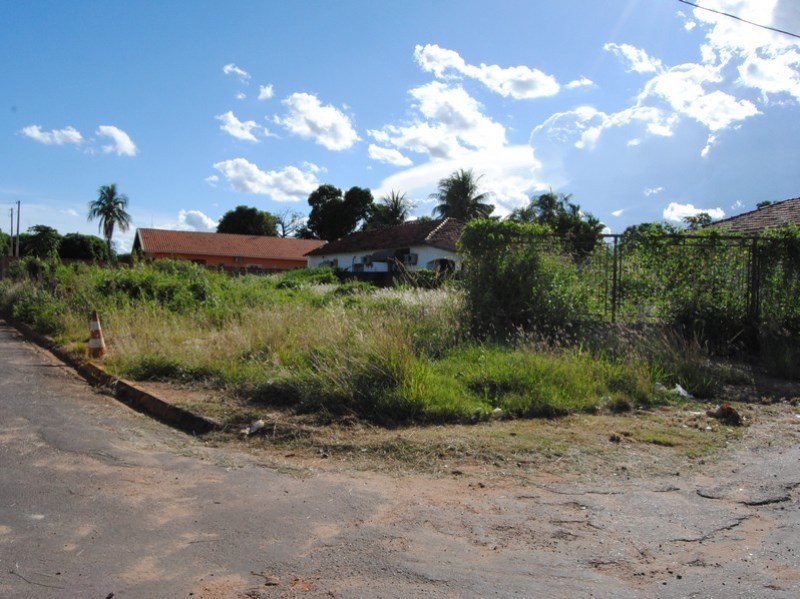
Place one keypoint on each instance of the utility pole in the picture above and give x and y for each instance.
(18, 208)
(11, 236)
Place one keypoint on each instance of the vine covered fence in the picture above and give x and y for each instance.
(724, 285)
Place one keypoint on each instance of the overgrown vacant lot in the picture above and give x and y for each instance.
(352, 369)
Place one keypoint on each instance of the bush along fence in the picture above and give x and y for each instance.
(729, 290)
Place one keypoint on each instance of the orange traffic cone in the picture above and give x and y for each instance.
(97, 345)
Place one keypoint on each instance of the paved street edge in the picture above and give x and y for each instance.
(124, 391)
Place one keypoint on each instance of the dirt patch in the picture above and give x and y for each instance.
(663, 440)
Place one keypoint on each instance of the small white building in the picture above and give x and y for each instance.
(411, 246)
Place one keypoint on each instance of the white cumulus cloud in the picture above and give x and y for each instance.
(67, 135)
(388, 155)
(121, 143)
(650, 191)
(265, 92)
(582, 82)
(232, 69)
(638, 60)
(683, 88)
(767, 61)
(287, 185)
(518, 82)
(583, 126)
(677, 212)
(194, 220)
(773, 75)
(509, 173)
(308, 118)
(668, 97)
(452, 124)
(244, 130)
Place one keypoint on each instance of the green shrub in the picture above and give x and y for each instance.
(33, 305)
(513, 284)
(179, 285)
(310, 276)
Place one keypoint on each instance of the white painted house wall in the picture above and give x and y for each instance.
(425, 255)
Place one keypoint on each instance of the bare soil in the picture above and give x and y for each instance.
(640, 443)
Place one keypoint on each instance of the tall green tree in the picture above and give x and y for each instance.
(334, 215)
(110, 209)
(42, 241)
(697, 221)
(392, 209)
(246, 220)
(76, 246)
(648, 235)
(459, 197)
(580, 230)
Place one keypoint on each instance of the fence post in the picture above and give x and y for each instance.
(755, 282)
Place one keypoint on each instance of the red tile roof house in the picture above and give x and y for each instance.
(224, 250)
(411, 246)
(754, 222)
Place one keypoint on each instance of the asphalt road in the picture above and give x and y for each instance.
(97, 501)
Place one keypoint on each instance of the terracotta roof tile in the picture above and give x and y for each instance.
(437, 233)
(755, 221)
(163, 241)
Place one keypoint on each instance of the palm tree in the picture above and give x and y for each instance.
(459, 198)
(397, 208)
(393, 209)
(109, 209)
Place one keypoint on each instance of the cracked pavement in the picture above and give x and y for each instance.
(96, 499)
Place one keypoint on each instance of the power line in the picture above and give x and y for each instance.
(726, 14)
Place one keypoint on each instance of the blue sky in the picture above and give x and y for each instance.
(643, 110)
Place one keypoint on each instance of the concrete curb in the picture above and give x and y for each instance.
(125, 392)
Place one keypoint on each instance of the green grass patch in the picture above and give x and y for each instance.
(304, 340)
(525, 382)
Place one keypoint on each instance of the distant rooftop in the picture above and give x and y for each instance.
(442, 234)
(162, 241)
(776, 214)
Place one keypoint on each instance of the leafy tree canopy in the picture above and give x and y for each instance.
(580, 229)
(334, 215)
(245, 220)
(459, 197)
(697, 221)
(76, 246)
(651, 230)
(41, 241)
(648, 235)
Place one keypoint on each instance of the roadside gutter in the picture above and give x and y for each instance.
(122, 390)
